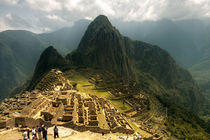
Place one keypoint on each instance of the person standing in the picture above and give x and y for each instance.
(25, 135)
(55, 132)
(39, 130)
(44, 132)
(28, 133)
(33, 131)
(127, 134)
(42, 128)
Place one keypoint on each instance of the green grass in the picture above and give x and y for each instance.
(84, 86)
(120, 106)
(137, 129)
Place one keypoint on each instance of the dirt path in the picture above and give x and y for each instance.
(65, 134)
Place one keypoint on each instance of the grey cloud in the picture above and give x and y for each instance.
(9, 2)
(15, 21)
(46, 15)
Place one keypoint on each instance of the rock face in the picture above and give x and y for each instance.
(103, 47)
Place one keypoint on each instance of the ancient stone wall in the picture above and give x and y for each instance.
(2, 124)
(121, 129)
(58, 114)
(10, 122)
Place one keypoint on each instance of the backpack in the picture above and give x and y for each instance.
(56, 130)
(39, 129)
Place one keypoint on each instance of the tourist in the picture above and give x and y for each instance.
(7, 127)
(56, 132)
(39, 130)
(25, 135)
(42, 128)
(33, 133)
(134, 137)
(127, 134)
(138, 137)
(44, 132)
(28, 133)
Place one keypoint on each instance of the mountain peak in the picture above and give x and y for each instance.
(102, 47)
(102, 19)
(49, 59)
(50, 49)
(100, 22)
(100, 31)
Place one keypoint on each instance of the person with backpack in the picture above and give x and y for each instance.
(39, 131)
(55, 132)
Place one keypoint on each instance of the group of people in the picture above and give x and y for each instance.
(135, 137)
(38, 133)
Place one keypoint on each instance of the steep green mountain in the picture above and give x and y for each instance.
(48, 60)
(103, 47)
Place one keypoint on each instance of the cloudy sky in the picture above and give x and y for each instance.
(47, 15)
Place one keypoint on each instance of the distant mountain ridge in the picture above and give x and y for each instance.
(185, 40)
(20, 50)
(15, 48)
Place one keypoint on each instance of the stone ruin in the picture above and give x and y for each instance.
(54, 80)
(67, 108)
(58, 104)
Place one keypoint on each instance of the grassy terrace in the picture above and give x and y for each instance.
(84, 86)
(138, 130)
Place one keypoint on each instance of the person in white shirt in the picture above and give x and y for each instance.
(25, 137)
(33, 133)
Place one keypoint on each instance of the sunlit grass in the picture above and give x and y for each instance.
(84, 86)
(137, 129)
(120, 106)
